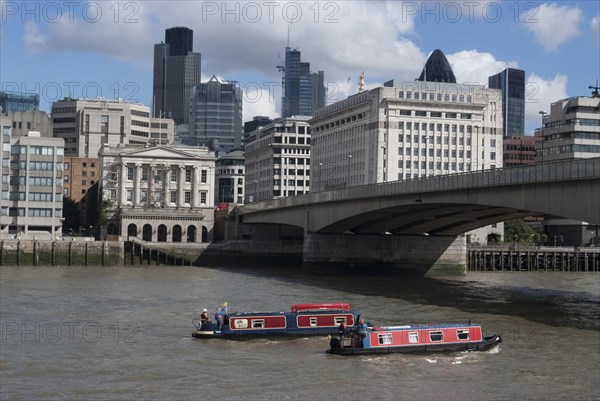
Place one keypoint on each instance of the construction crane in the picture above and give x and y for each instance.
(595, 92)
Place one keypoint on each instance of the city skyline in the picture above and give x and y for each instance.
(105, 48)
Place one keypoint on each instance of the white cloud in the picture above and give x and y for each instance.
(540, 93)
(472, 66)
(34, 40)
(595, 26)
(554, 25)
(259, 102)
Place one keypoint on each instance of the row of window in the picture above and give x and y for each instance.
(413, 337)
(438, 153)
(432, 114)
(31, 212)
(438, 165)
(187, 196)
(446, 97)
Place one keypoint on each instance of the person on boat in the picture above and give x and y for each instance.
(362, 329)
(219, 317)
(342, 330)
(204, 316)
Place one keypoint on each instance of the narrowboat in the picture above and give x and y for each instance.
(303, 320)
(415, 338)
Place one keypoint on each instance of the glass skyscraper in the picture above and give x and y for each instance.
(303, 91)
(216, 116)
(176, 71)
(511, 82)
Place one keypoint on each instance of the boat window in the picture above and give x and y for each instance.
(462, 334)
(313, 321)
(413, 337)
(339, 319)
(258, 323)
(385, 338)
(436, 336)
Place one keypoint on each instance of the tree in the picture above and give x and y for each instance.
(517, 230)
(71, 215)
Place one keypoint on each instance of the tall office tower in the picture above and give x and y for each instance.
(176, 71)
(437, 69)
(216, 116)
(303, 91)
(512, 84)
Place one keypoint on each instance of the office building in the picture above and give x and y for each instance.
(31, 202)
(159, 193)
(88, 125)
(570, 131)
(216, 116)
(303, 92)
(278, 159)
(176, 71)
(33, 120)
(407, 130)
(511, 83)
(519, 150)
(18, 101)
(229, 178)
(80, 174)
(437, 69)
(254, 124)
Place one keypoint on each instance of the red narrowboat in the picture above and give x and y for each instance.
(415, 338)
(302, 320)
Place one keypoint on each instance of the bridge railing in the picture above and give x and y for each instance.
(546, 172)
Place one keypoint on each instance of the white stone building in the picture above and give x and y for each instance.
(407, 130)
(88, 125)
(161, 193)
(278, 159)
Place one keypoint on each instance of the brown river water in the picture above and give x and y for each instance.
(125, 334)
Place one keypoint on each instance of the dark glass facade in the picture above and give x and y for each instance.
(512, 84)
(176, 71)
(17, 101)
(303, 91)
(437, 69)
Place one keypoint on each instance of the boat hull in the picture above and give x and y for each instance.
(485, 344)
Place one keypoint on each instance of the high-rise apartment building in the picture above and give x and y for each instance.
(303, 92)
(278, 159)
(511, 82)
(88, 125)
(18, 101)
(176, 71)
(216, 116)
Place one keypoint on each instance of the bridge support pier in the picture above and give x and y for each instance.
(385, 254)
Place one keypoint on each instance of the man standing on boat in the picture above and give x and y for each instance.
(342, 331)
(362, 329)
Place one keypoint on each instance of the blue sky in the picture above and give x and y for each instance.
(105, 48)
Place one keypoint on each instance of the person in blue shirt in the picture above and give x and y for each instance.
(220, 318)
(362, 329)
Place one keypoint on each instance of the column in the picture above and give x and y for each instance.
(151, 173)
(180, 185)
(123, 187)
(136, 184)
(195, 194)
(166, 181)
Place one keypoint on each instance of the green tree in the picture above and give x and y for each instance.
(543, 239)
(517, 230)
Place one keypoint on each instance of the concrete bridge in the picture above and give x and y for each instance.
(414, 224)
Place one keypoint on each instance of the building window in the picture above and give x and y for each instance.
(173, 175)
(188, 175)
(203, 177)
(130, 195)
(130, 173)
(173, 196)
(104, 124)
(143, 196)
(187, 197)
(203, 197)
(144, 174)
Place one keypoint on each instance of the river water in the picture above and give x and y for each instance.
(125, 334)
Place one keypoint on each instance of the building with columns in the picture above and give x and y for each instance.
(161, 193)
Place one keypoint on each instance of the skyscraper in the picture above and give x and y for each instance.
(176, 71)
(303, 91)
(512, 84)
(216, 115)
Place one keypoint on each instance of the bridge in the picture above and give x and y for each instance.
(415, 223)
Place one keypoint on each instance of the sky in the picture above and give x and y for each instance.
(89, 49)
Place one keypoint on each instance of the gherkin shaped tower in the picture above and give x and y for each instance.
(437, 69)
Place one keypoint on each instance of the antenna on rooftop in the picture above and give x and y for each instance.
(289, 34)
(595, 92)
